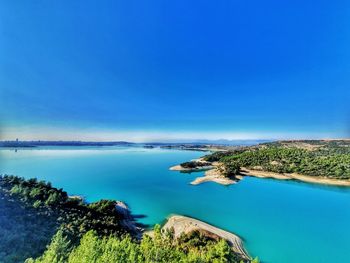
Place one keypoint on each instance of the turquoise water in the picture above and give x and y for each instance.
(281, 222)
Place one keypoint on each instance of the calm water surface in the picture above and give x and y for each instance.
(279, 221)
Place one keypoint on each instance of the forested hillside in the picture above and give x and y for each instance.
(32, 211)
(314, 158)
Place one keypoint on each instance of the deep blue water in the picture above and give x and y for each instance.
(279, 221)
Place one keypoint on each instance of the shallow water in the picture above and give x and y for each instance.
(279, 221)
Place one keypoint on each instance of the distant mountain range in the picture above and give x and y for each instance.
(18, 143)
(212, 142)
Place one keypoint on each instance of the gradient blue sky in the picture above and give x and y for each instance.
(147, 70)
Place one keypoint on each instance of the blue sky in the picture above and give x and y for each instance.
(148, 70)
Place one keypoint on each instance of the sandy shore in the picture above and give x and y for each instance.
(295, 176)
(215, 176)
(183, 224)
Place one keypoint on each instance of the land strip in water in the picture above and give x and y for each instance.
(316, 161)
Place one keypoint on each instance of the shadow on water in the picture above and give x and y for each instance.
(139, 216)
(193, 171)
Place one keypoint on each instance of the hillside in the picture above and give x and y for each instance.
(318, 158)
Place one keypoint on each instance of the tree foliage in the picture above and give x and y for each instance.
(194, 164)
(24, 231)
(162, 247)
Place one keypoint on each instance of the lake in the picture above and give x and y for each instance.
(279, 221)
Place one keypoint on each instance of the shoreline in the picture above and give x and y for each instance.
(184, 224)
(295, 176)
(129, 222)
(212, 174)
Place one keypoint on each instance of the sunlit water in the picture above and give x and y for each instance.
(279, 221)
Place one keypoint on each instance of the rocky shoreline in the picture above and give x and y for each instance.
(295, 176)
(128, 221)
(214, 175)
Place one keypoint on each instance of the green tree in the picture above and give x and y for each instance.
(57, 251)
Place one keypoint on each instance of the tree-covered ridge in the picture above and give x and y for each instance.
(34, 210)
(340, 146)
(314, 158)
(32, 191)
(76, 216)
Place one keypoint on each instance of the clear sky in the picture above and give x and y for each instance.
(157, 70)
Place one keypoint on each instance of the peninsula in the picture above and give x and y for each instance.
(312, 161)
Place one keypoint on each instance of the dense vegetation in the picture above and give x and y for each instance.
(24, 231)
(33, 211)
(194, 164)
(162, 247)
(315, 158)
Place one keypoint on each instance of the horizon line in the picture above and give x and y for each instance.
(174, 140)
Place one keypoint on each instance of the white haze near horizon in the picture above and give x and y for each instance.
(149, 136)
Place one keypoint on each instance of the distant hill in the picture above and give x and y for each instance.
(222, 142)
